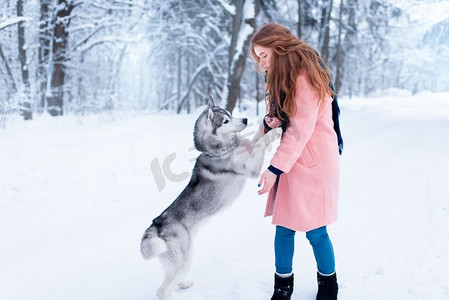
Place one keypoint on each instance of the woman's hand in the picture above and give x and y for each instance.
(272, 122)
(267, 179)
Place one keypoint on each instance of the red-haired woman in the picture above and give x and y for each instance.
(303, 177)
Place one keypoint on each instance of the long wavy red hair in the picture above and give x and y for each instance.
(291, 57)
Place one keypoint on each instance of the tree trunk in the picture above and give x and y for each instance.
(188, 63)
(12, 87)
(339, 59)
(184, 97)
(299, 29)
(239, 51)
(179, 81)
(350, 49)
(61, 34)
(26, 110)
(43, 51)
(324, 31)
(231, 89)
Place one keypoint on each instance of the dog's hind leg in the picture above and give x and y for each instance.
(185, 284)
(177, 263)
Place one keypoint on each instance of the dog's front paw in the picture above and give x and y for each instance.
(274, 134)
(269, 138)
(185, 284)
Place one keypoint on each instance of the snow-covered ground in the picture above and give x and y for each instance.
(76, 196)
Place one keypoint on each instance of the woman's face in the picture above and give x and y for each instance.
(264, 55)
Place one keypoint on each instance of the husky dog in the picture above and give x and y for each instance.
(218, 176)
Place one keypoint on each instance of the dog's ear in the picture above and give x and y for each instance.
(210, 116)
(211, 102)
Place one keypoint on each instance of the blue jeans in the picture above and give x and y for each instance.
(284, 246)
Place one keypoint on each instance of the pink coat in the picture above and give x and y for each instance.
(307, 194)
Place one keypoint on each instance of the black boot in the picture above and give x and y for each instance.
(283, 287)
(327, 287)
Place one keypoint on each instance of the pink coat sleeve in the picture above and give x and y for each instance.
(300, 127)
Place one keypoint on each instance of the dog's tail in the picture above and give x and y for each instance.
(152, 245)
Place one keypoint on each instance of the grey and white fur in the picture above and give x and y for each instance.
(218, 176)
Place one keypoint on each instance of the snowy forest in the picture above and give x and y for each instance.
(98, 101)
(91, 56)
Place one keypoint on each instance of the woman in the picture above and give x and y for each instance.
(303, 177)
